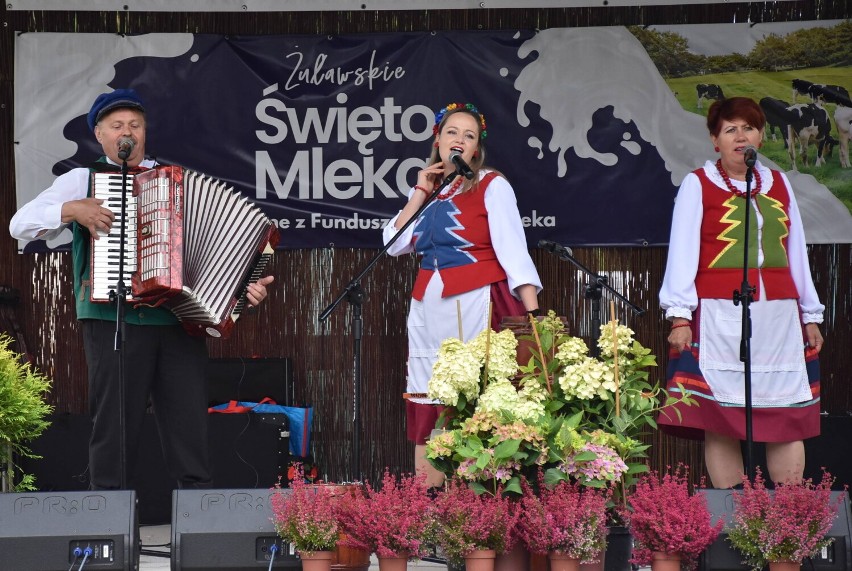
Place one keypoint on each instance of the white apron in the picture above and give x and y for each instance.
(778, 375)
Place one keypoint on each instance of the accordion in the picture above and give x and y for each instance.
(192, 245)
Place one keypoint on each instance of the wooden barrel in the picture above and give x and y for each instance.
(348, 558)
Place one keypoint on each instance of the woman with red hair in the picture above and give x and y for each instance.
(704, 268)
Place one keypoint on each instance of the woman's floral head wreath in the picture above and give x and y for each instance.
(439, 116)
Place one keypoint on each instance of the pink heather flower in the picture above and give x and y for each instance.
(391, 521)
(569, 518)
(789, 525)
(305, 515)
(664, 516)
(467, 521)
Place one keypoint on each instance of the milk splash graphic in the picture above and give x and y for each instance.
(596, 68)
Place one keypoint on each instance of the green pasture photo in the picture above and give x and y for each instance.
(759, 84)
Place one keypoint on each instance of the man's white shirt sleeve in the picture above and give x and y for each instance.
(44, 212)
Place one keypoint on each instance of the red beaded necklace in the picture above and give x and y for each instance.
(451, 190)
(723, 173)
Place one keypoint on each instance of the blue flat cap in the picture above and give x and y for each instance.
(118, 99)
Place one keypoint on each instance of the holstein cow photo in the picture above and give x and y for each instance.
(819, 92)
(777, 116)
(801, 87)
(708, 91)
(803, 123)
(809, 123)
(842, 115)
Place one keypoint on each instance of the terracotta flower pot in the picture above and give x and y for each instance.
(516, 560)
(661, 561)
(480, 560)
(561, 562)
(316, 560)
(785, 565)
(397, 562)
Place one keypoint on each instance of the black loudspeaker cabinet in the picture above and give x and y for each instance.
(721, 556)
(227, 529)
(247, 450)
(250, 380)
(47, 531)
(827, 451)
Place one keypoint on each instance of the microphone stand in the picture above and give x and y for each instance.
(355, 296)
(119, 296)
(594, 292)
(745, 296)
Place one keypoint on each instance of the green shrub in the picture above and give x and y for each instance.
(23, 412)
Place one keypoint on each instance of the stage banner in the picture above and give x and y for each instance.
(326, 133)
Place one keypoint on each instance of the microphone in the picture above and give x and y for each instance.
(750, 156)
(555, 248)
(461, 166)
(125, 147)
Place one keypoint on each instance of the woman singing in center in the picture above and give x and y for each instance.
(473, 253)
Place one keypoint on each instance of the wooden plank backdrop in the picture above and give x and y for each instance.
(308, 280)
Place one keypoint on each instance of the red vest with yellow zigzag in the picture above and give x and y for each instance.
(720, 261)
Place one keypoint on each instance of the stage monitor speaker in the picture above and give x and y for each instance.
(47, 531)
(227, 529)
(721, 555)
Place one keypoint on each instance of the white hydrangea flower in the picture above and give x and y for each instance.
(571, 350)
(586, 379)
(533, 391)
(502, 352)
(456, 371)
(498, 395)
(623, 334)
(528, 410)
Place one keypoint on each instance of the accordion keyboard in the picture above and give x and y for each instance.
(106, 250)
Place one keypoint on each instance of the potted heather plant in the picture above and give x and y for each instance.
(784, 527)
(515, 555)
(566, 521)
(470, 528)
(305, 516)
(393, 522)
(670, 525)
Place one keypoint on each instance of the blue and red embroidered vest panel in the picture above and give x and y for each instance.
(453, 237)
